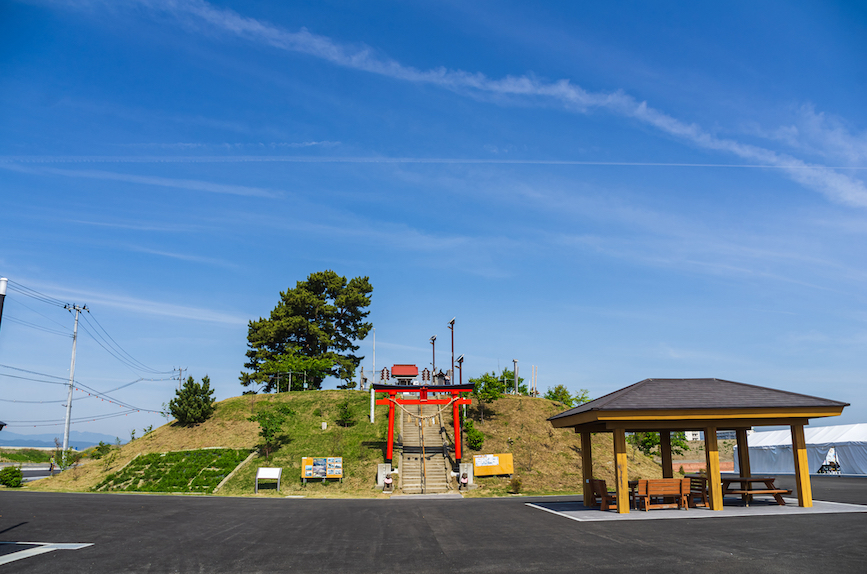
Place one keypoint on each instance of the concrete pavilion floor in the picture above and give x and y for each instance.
(732, 508)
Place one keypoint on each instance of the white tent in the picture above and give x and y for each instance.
(771, 451)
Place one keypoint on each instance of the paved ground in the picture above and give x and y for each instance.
(141, 533)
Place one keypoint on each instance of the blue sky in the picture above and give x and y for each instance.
(607, 192)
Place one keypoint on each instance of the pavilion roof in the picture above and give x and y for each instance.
(696, 399)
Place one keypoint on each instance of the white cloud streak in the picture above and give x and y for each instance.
(190, 184)
(834, 185)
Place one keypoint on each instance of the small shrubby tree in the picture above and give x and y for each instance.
(486, 389)
(648, 442)
(193, 403)
(11, 477)
(270, 424)
(561, 394)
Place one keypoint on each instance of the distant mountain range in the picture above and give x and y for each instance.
(77, 439)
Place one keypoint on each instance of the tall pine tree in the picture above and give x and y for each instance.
(312, 330)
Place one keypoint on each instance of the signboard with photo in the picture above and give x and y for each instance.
(321, 467)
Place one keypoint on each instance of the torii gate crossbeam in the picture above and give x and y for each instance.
(457, 397)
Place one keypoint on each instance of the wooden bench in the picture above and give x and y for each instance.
(697, 492)
(676, 488)
(766, 487)
(748, 494)
(600, 489)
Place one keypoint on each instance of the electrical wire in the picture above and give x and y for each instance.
(34, 294)
(19, 302)
(80, 420)
(33, 372)
(120, 349)
(35, 326)
(30, 379)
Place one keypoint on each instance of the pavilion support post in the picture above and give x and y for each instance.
(587, 468)
(665, 451)
(802, 468)
(743, 452)
(620, 472)
(714, 481)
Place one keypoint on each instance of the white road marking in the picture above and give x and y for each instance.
(41, 548)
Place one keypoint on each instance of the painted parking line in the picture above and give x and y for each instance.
(29, 549)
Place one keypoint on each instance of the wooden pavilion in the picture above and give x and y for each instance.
(709, 405)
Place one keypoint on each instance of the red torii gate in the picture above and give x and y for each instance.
(392, 401)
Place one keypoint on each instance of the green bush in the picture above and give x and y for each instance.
(193, 403)
(11, 476)
(100, 450)
(515, 485)
(475, 437)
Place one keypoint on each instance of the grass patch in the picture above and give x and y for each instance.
(197, 471)
(26, 455)
(348, 434)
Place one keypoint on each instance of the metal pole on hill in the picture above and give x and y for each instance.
(3, 282)
(452, 371)
(515, 362)
(433, 343)
(77, 310)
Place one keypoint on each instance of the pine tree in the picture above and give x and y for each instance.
(193, 403)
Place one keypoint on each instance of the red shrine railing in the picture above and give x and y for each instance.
(456, 397)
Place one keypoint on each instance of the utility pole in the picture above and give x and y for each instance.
(452, 372)
(78, 311)
(3, 282)
(181, 377)
(515, 362)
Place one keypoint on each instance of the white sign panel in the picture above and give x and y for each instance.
(264, 472)
(486, 460)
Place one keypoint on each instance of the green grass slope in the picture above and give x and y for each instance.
(547, 460)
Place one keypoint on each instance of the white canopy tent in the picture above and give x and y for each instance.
(771, 451)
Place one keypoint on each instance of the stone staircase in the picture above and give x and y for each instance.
(428, 474)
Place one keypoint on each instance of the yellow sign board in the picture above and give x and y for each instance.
(321, 467)
(493, 464)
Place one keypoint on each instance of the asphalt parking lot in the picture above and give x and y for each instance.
(146, 533)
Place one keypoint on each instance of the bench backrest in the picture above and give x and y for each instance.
(663, 487)
(599, 487)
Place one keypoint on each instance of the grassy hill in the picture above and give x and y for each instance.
(547, 460)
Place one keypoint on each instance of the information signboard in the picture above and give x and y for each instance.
(321, 467)
(493, 464)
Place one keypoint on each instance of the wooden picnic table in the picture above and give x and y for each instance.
(746, 490)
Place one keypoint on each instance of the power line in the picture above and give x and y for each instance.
(35, 326)
(34, 294)
(32, 372)
(19, 302)
(30, 379)
(55, 422)
(90, 315)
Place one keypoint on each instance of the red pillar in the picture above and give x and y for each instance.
(457, 420)
(390, 448)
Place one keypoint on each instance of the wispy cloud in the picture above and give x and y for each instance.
(140, 306)
(525, 88)
(185, 257)
(190, 184)
(235, 146)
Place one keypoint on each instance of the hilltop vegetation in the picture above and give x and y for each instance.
(547, 460)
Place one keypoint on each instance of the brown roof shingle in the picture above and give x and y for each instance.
(666, 394)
